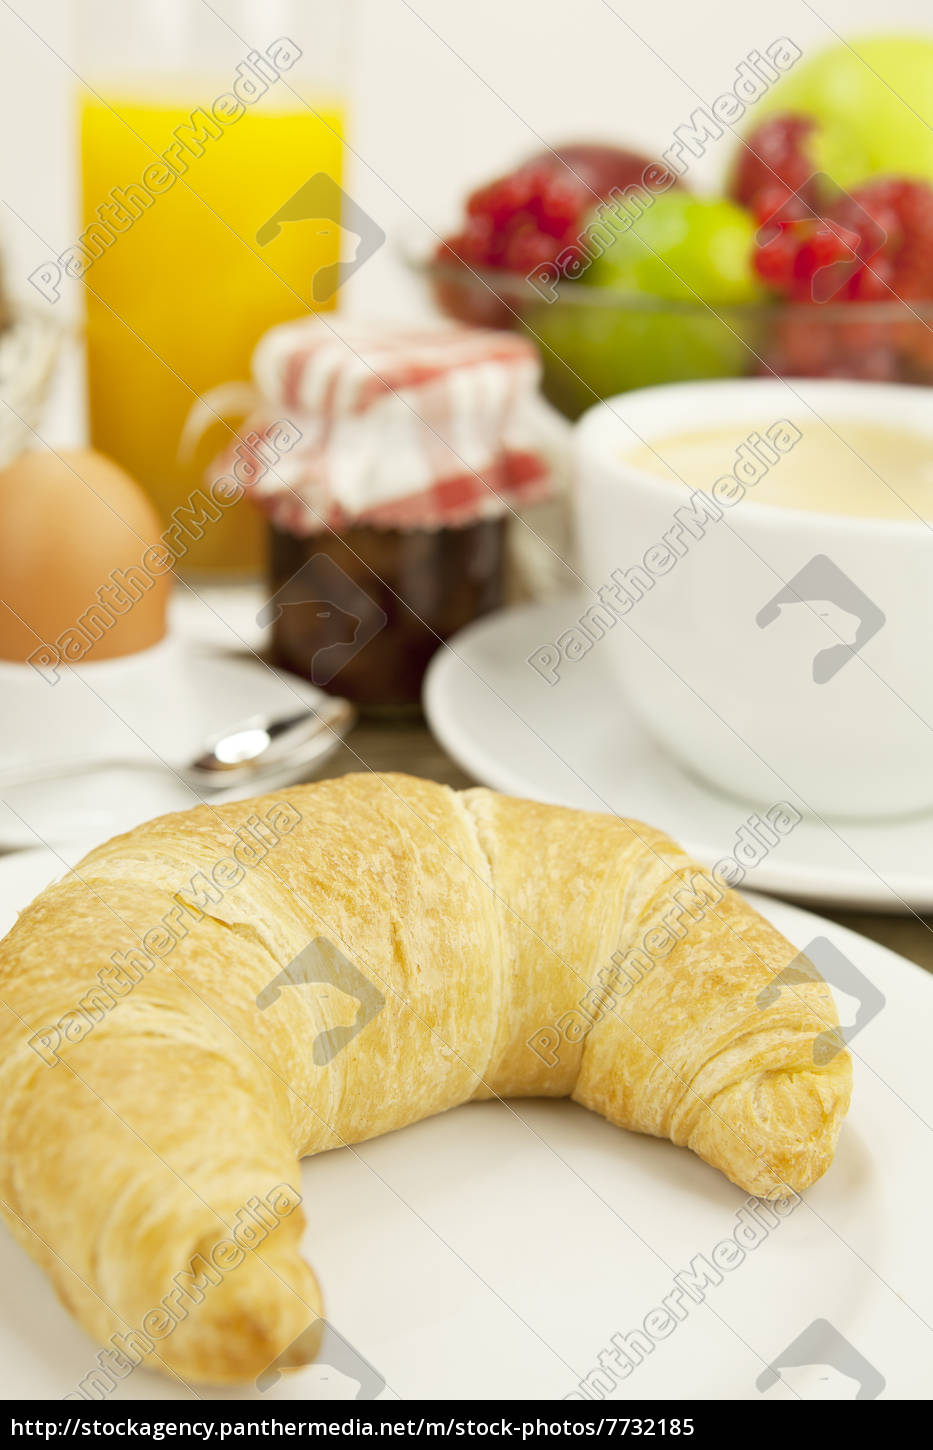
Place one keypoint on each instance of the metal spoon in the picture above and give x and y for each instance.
(249, 751)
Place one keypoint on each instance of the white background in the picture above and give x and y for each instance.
(445, 93)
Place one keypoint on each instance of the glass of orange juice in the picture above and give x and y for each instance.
(211, 145)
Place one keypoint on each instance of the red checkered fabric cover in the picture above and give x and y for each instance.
(400, 427)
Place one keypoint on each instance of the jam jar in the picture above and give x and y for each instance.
(361, 613)
(394, 459)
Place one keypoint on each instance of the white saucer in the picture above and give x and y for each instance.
(208, 693)
(577, 744)
(447, 1263)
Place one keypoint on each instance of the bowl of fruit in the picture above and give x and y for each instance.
(815, 260)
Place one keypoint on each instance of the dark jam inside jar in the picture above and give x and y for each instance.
(361, 613)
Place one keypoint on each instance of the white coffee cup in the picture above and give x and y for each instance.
(781, 650)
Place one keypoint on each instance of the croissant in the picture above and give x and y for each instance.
(220, 992)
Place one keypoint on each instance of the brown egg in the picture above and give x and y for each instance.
(75, 576)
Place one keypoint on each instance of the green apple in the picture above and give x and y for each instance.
(873, 101)
(648, 322)
(682, 247)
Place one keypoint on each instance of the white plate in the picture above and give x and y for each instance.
(496, 1250)
(577, 744)
(210, 692)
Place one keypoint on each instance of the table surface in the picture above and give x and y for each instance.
(410, 747)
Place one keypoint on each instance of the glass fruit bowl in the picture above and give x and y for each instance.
(596, 342)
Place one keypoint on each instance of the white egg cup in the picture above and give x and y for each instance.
(90, 710)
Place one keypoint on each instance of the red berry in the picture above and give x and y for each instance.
(825, 262)
(774, 258)
(775, 158)
(894, 217)
(526, 249)
(773, 206)
(500, 200)
(810, 260)
(556, 208)
(872, 282)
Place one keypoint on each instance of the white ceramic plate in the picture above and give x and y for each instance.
(208, 693)
(577, 743)
(495, 1251)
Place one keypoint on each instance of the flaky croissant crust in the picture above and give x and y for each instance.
(168, 1055)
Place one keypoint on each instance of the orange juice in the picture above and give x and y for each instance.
(178, 299)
